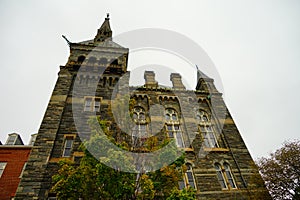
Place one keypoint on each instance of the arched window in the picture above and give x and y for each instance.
(188, 179)
(114, 61)
(110, 79)
(138, 114)
(80, 59)
(190, 176)
(173, 127)
(225, 176)
(103, 61)
(68, 144)
(202, 116)
(220, 176)
(171, 115)
(92, 60)
(229, 175)
(140, 129)
(206, 129)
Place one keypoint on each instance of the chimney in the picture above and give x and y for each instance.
(32, 139)
(176, 81)
(149, 77)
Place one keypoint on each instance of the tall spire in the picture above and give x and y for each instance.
(104, 32)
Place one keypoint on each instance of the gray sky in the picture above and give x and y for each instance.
(253, 44)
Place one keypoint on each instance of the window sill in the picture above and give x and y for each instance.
(216, 149)
(229, 189)
(188, 149)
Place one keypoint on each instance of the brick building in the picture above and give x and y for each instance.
(13, 157)
(218, 162)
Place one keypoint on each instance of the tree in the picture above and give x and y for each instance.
(93, 178)
(281, 171)
(185, 194)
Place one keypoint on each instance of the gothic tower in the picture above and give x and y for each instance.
(219, 165)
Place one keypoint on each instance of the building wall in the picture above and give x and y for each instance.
(58, 123)
(15, 157)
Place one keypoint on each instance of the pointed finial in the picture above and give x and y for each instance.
(66, 40)
(107, 15)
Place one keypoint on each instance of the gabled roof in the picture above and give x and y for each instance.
(106, 43)
(104, 32)
(200, 74)
(103, 37)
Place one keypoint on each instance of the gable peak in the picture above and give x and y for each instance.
(104, 32)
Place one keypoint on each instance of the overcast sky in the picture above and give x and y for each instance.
(255, 46)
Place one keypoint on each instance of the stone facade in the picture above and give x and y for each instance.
(86, 84)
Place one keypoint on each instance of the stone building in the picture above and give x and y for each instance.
(219, 165)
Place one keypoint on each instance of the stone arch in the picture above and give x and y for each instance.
(92, 60)
(80, 59)
(103, 61)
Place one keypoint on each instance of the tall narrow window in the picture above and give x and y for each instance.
(173, 127)
(225, 176)
(139, 131)
(88, 104)
(229, 175)
(220, 176)
(188, 179)
(97, 104)
(68, 146)
(190, 176)
(208, 136)
(2, 167)
(80, 59)
(206, 129)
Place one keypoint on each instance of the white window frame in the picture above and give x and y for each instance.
(68, 138)
(2, 168)
(207, 129)
(140, 129)
(209, 137)
(176, 134)
(23, 169)
(172, 121)
(92, 104)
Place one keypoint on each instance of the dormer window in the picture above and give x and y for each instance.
(14, 139)
(11, 140)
